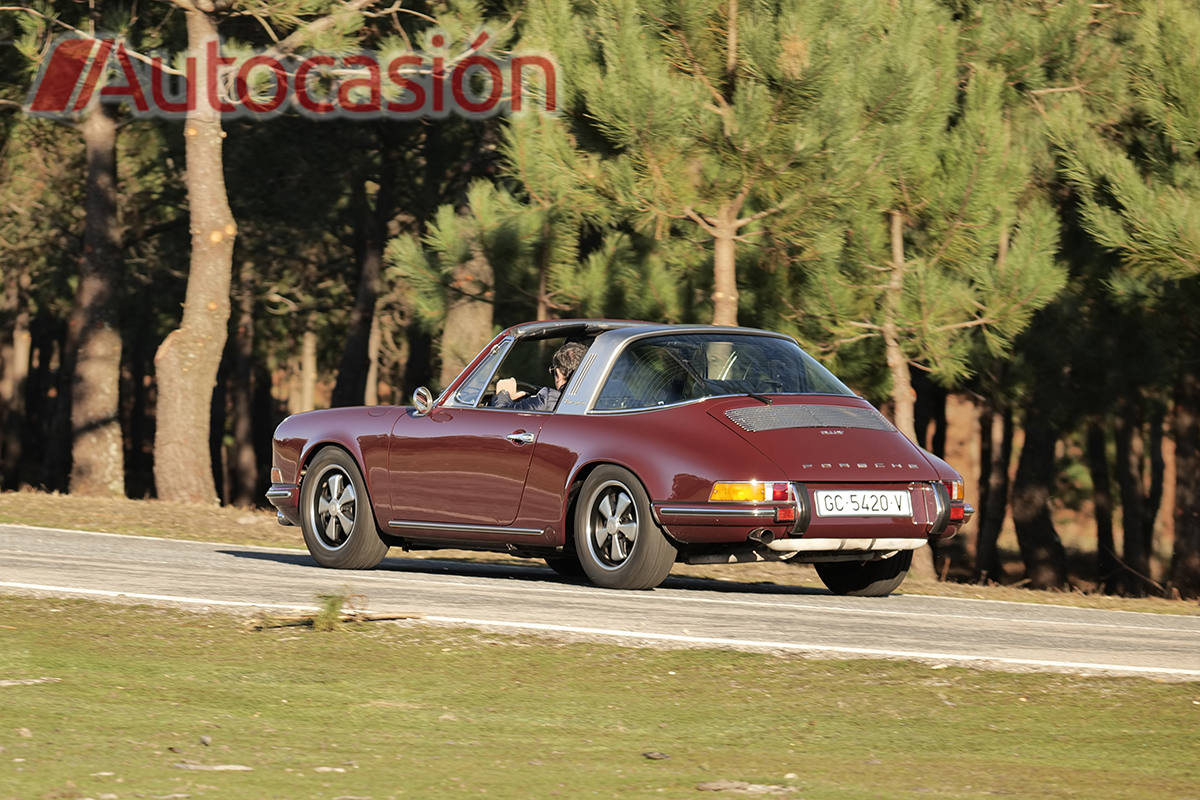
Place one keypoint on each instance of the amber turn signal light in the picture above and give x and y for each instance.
(750, 491)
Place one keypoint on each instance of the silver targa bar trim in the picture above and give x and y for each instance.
(841, 545)
(452, 527)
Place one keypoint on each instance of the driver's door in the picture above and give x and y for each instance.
(461, 467)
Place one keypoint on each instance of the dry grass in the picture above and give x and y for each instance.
(258, 527)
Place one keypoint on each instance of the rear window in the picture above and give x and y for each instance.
(662, 370)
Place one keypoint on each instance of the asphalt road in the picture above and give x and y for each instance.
(683, 612)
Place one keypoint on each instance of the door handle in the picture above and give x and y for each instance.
(520, 438)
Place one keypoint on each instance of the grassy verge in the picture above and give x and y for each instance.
(124, 701)
(256, 527)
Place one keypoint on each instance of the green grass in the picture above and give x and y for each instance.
(412, 710)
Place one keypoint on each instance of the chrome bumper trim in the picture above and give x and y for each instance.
(842, 545)
(717, 511)
(941, 502)
(453, 527)
(279, 494)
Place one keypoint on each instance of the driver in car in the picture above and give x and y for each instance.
(563, 364)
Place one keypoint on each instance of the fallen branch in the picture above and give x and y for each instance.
(307, 620)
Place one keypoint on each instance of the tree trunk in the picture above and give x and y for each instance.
(93, 339)
(418, 367)
(997, 431)
(1158, 466)
(1107, 567)
(308, 371)
(188, 359)
(15, 354)
(725, 291)
(139, 422)
(902, 393)
(245, 488)
(1185, 560)
(545, 250)
(41, 400)
(1041, 550)
(1136, 579)
(903, 397)
(929, 406)
(468, 314)
(355, 364)
(374, 342)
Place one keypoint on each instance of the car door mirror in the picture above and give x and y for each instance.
(423, 401)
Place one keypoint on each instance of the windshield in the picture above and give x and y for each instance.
(675, 368)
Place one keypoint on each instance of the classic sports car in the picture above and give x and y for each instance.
(690, 443)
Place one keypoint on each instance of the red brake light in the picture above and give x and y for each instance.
(779, 491)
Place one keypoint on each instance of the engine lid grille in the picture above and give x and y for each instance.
(755, 419)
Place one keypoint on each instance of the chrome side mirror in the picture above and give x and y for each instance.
(423, 401)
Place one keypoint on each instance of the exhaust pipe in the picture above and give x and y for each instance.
(762, 536)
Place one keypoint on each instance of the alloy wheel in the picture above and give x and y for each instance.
(335, 507)
(612, 525)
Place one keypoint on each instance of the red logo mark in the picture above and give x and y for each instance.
(472, 83)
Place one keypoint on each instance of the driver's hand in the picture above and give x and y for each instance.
(509, 385)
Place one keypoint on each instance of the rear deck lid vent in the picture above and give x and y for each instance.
(776, 417)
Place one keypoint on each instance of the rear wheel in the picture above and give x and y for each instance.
(335, 514)
(618, 543)
(866, 578)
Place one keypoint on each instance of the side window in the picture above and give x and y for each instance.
(644, 376)
(528, 362)
(473, 387)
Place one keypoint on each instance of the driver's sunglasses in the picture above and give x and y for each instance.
(552, 370)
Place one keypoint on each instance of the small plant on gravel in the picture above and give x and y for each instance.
(329, 617)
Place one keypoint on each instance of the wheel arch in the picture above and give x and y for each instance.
(576, 482)
(313, 449)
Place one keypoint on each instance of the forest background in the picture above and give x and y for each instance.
(984, 216)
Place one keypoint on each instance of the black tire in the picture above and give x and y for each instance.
(336, 515)
(566, 565)
(617, 541)
(866, 578)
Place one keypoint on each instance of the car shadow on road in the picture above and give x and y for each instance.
(532, 572)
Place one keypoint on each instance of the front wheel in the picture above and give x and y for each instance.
(335, 514)
(618, 543)
(866, 578)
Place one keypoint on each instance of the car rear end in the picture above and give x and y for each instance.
(837, 482)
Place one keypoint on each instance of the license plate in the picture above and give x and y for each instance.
(862, 503)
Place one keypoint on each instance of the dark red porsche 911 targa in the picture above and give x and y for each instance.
(669, 443)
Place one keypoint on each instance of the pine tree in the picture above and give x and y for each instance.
(946, 245)
(84, 446)
(701, 120)
(1137, 174)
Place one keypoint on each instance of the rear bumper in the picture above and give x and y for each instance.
(791, 525)
(286, 499)
(818, 545)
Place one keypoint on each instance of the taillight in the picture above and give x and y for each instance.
(750, 491)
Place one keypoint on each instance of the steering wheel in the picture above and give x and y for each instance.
(528, 388)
